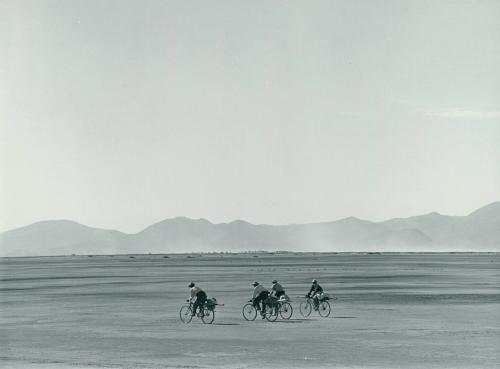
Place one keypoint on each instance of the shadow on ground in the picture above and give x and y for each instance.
(343, 317)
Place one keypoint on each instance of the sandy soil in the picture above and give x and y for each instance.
(393, 311)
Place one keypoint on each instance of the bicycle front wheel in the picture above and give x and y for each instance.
(305, 308)
(208, 316)
(185, 314)
(324, 309)
(249, 312)
(286, 310)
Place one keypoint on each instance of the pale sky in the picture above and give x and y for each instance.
(118, 114)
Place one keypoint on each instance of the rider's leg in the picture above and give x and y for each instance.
(316, 302)
(201, 297)
(202, 307)
(256, 302)
(263, 310)
(195, 307)
(264, 305)
(264, 300)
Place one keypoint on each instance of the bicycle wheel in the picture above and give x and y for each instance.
(271, 313)
(249, 312)
(305, 308)
(185, 314)
(286, 310)
(208, 316)
(324, 308)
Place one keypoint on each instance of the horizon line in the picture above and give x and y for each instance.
(276, 252)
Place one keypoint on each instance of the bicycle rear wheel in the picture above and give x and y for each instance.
(324, 309)
(208, 316)
(249, 312)
(271, 313)
(185, 314)
(305, 308)
(286, 310)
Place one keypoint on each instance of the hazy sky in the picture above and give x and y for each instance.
(118, 114)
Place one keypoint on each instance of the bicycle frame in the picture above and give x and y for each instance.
(205, 313)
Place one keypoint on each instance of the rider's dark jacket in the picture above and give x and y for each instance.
(315, 288)
(258, 290)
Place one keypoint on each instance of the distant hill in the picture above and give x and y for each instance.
(479, 231)
(59, 237)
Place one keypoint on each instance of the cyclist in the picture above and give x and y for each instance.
(314, 293)
(277, 289)
(260, 294)
(199, 295)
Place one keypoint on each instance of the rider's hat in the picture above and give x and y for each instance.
(274, 281)
(191, 284)
(315, 281)
(255, 283)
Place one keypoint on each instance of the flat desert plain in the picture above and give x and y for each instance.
(122, 311)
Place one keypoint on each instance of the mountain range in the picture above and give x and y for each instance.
(478, 231)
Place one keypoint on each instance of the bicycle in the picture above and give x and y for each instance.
(281, 307)
(206, 312)
(324, 309)
(272, 308)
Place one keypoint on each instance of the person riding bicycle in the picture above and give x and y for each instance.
(260, 295)
(277, 289)
(314, 293)
(199, 295)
